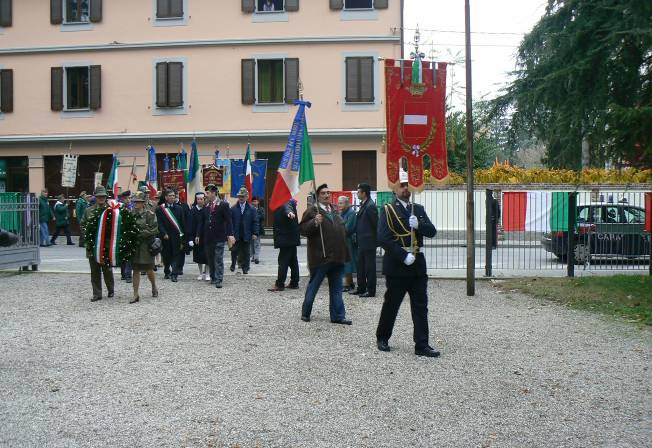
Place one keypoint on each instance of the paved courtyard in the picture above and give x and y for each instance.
(198, 367)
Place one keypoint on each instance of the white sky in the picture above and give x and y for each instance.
(492, 55)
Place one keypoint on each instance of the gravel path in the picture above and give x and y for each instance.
(199, 367)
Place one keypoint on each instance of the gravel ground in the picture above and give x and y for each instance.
(199, 367)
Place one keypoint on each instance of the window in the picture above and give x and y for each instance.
(6, 90)
(169, 84)
(360, 80)
(270, 81)
(5, 12)
(77, 11)
(76, 88)
(586, 214)
(169, 9)
(634, 215)
(269, 5)
(611, 215)
(358, 4)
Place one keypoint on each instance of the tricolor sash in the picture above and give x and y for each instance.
(114, 236)
(172, 219)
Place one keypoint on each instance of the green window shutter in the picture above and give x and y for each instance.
(95, 79)
(248, 6)
(291, 5)
(56, 12)
(381, 4)
(366, 80)
(162, 9)
(96, 11)
(248, 67)
(161, 84)
(291, 80)
(352, 80)
(5, 13)
(336, 4)
(175, 84)
(56, 88)
(7, 92)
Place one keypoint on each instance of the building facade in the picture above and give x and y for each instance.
(99, 78)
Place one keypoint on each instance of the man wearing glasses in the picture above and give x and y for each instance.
(327, 254)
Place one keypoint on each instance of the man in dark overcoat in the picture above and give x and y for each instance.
(286, 240)
(245, 228)
(172, 227)
(366, 231)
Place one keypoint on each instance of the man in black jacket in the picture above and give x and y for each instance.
(404, 266)
(172, 227)
(366, 230)
(216, 228)
(286, 240)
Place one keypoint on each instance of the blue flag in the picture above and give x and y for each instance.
(237, 176)
(259, 173)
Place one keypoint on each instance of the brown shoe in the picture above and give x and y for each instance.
(135, 299)
(276, 289)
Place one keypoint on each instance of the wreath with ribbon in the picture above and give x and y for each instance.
(112, 234)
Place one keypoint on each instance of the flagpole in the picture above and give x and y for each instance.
(470, 222)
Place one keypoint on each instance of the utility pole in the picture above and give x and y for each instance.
(470, 222)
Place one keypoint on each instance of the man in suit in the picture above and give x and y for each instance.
(401, 229)
(216, 228)
(188, 221)
(172, 226)
(366, 230)
(245, 228)
(286, 240)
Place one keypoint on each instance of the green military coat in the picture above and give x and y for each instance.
(61, 214)
(146, 221)
(44, 210)
(87, 214)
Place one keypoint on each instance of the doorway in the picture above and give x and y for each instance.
(358, 167)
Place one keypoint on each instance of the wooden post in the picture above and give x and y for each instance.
(489, 232)
(470, 222)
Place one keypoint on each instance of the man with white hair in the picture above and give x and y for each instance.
(349, 217)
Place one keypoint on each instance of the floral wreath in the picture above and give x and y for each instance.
(111, 234)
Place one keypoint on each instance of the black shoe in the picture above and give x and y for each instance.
(232, 268)
(174, 278)
(128, 279)
(383, 346)
(52, 243)
(135, 299)
(218, 285)
(95, 299)
(167, 276)
(292, 286)
(366, 294)
(155, 292)
(276, 289)
(342, 321)
(305, 318)
(347, 288)
(244, 271)
(155, 268)
(357, 292)
(256, 261)
(110, 294)
(70, 244)
(426, 351)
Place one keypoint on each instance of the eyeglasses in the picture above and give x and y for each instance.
(325, 193)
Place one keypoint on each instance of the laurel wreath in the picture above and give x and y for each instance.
(129, 235)
(424, 144)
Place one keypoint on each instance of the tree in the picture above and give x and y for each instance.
(585, 76)
(486, 142)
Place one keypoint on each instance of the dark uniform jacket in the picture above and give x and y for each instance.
(286, 230)
(148, 229)
(216, 223)
(165, 227)
(394, 237)
(366, 226)
(334, 238)
(249, 220)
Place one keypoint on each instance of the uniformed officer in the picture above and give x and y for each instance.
(172, 226)
(98, 270)
(404, 267)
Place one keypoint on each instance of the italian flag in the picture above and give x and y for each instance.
(531, 210)
(112, 183)
(194, 172)
(248, 176)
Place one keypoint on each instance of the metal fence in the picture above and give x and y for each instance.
(529, 230)
(19, 214)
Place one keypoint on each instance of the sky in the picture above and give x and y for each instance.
(441, 23)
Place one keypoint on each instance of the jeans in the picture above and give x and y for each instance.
(45, 234)
(287, 258)
(336, 305)
(255, 248)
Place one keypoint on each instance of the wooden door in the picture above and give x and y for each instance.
(358, 167)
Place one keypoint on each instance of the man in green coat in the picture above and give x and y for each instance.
(98, 270)
(80, 208)
(62, 220)
(44, 217)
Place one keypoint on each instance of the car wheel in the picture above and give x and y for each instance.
(582, 254)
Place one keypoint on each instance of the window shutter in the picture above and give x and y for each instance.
(162, 8)
(56, 88)
(175, 84)
(336, 4)
(5, 12)
(291, 80)
(291, 5)
(56, 12)
(352, 76)
(248, 79)
(248, 6)
(176, 8)
(96, 11)
(367, 80)
(7, 93)
(380, 4)
(95, 80)
(161, 84)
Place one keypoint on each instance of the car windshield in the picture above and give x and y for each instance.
(634, 215)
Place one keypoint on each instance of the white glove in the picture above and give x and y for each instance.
(409, 259)
(414, 222)
(191, 243)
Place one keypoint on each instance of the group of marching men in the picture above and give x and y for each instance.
(210, 225)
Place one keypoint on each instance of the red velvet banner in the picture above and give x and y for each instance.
(416, 122)
(174, 180)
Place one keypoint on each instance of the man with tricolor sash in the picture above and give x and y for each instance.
(171, 220)
(98, 270)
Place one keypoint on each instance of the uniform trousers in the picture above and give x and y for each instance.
(397, 287)
(215, 257)
(287, 258)
(367, 271)
(97, 271)
(241, 254)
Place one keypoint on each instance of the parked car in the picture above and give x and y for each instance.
(603, 230)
